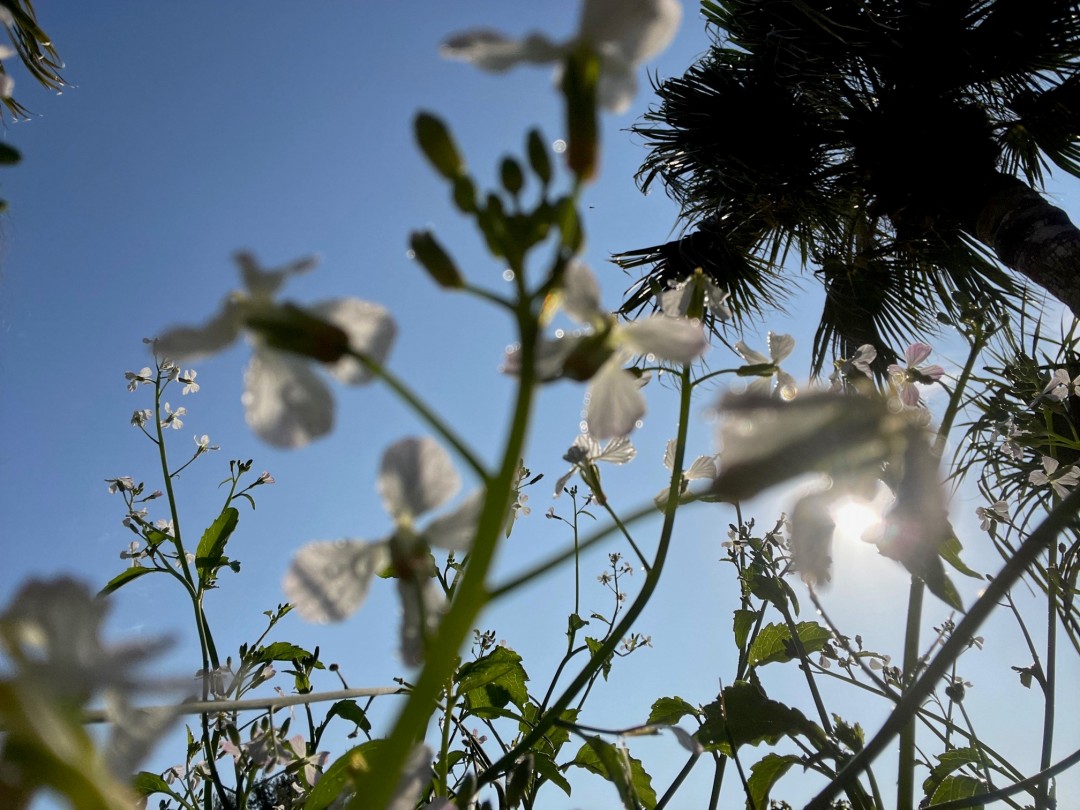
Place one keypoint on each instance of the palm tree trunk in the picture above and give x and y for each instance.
(1030, 235)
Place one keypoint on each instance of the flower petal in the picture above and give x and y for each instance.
(495, 52)
(422, 605)
(703, 467)
(615, 402)
(752, 357)
(328, 580)
(371, 331)
(618, 84)
(618, 451)
(634, 29)
(780, 346)
(672, 339)
(416, 475)
(916, 353)
(455, 530)
(189, 343)
(285, 402)
(265, 283)
(581, 293)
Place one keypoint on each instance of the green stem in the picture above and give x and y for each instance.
(377, 790)
(905, 777)
(652, 578)
(1027, 553)
(434, 421)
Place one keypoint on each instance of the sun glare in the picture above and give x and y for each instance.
(855, 518)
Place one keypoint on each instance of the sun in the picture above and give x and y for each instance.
(855, 518)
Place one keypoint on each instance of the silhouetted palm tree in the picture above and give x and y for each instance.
(896, 147)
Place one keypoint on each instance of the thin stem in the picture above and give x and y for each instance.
(905, 784)
(648, 587)
(1026, 555)
(434, 421)
(677, 782)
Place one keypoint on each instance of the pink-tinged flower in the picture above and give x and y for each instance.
(1059, 388)
(905, 378)
(623, 33)
(1061, 480)
(851, 368)
(989, 515)
(329, 580)
(286, 403)
(780, 347)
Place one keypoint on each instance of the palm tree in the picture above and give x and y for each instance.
(896, 147)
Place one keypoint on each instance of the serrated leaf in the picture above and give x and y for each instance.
(774, 643)
(123, 578)
(279, 651)
(495, 679)
(959, 787)
(744, 715)
(667, 711)
(617, 766)
(556, 736)
(763, 775)
(212, 544)
(949, 761)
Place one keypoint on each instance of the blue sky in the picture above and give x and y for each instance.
(198, 129)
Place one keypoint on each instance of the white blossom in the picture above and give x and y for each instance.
(1061, 481)
(586, 451)
(780, 347)
(905, 378)
(285, 402)
(623, 33)
(329, 580)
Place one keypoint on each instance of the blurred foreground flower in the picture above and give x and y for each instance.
(285, 402)
(623, 33)
(614, 402)
(329, 580)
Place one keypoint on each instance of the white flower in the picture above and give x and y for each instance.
(329, 580)
(140, 418)
(136, 378)
(623, 33)
(52, 631)
(124, 483)
(905, 378)
(202, 445)
(703, 468)
(188, 379)
(780, 347)
(285, 402)
(172, 418)
(1059, 387)
(614, 403)
(585, 452)
(989, 515)
(1061, 482)
(677, 301)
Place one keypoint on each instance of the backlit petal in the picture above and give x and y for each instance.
(190, 343)
(328, 580)
(285, 402)
(371, 331)
(455, 530)
(492, 51)
(416, 475)
(615, 402)
(672, 339)
(636, 29)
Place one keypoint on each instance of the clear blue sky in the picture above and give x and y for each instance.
(196, 129)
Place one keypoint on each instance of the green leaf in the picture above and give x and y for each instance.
(594, 646)
(124, 578)
(212, 545)
(667, 711)
(743, 715)
(950, 761)
(959, 787)
(774, 643)
(517, 783)
(339, 775)
(622, 770)
(9, 155)
(763, 775)
(743, 624)
(547, 769)
(436, 261)
(438, 146)
(950, 553)
(494, 680)
(279, 651)
(465, 194)
(350, 710)
(556, 736)
(147, 784)
(538, 156)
